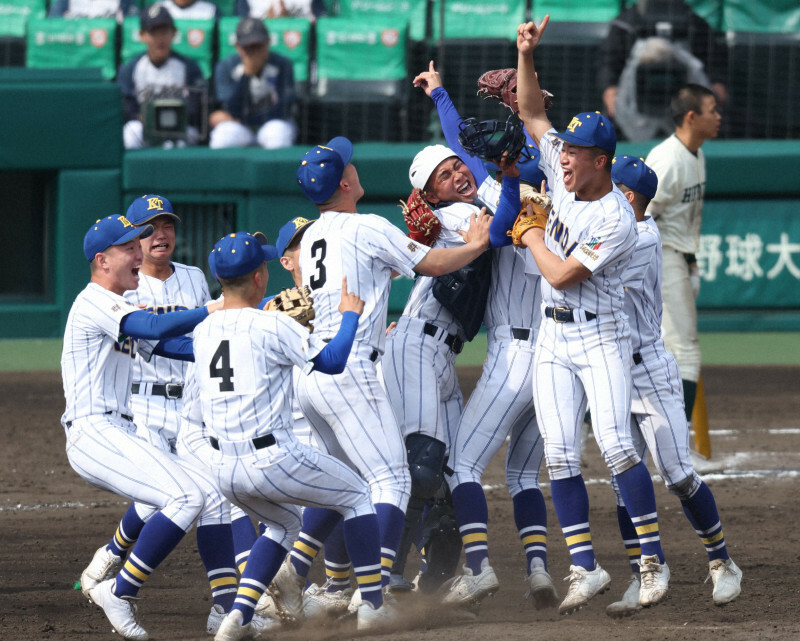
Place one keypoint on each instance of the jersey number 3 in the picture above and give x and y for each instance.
(220, 367)
(318, 252)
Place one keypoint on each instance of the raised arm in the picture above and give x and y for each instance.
(529, 94)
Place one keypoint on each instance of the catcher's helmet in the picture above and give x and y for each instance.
(491, 138)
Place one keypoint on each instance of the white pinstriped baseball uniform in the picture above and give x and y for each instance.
(102, 447)
(353, 406)
(156, 416)
(590, 359)
(419, 370)
(244, 362)
(502, 401)
(658, 419)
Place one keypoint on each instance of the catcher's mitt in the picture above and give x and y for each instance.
(295, 302)
(423, 225)
(533, 213)
(501, 84)
(489, 139)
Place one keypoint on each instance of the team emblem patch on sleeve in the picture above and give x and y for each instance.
(587, 250)
(115, 308)
(412, 247)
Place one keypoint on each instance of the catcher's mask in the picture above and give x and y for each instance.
(490, 138)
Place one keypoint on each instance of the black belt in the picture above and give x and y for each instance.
(259, 443)
(125, 416)
(637, 358)
(373, 356)
(566, 314)
(452, 340)
(520, 333)
(169, 390)
(690, 259)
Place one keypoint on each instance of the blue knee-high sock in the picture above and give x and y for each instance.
(629, 538)
(244, 537)
(362, 538)
(263, 564)
(571, 503)
(215, 545)
(390, 524)
(530, 516)
(701, 510)
(472, 516)
(158, 538)
(127, 532)
(337, 561)
(636, 490)
(318, 523)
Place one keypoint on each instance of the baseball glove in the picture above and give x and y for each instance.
(423, 225)
(533, 213)
(501, 84)
(296, 303)
(490, 139)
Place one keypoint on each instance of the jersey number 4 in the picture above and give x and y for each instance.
(220, 367)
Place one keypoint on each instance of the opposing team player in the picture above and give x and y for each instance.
(677, 209)
(244, 362)
(352, 408)
(658, 420)
(583, 350)
(502, 402)
(103, 335)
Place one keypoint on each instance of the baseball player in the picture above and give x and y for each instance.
(658, 421)
(502, 402)
(244, 364)
(103, 335)
(352, 409)
(583, 350)
(677, 209)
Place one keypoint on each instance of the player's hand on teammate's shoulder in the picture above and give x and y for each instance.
(428, 80)
(529, 35)
(350, 302)
(478, 231)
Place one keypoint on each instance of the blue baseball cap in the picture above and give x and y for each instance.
(590, 129)
(634, 173)
(238, 254)
(322, 168)
(290, 231)
(144, 209)
(112, 230)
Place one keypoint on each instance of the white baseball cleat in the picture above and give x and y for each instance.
(318, 602)
(371, 618)
(104, 565)
(583, 586)
(232, 628)
(542, 590)
(469, 588)
(655, 581)
(629, 604)
(727, 579)
(286, 590)
(121, 612)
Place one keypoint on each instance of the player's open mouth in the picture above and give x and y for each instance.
(463, 189)
(163, 246)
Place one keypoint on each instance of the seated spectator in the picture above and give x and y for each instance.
(159, 73)
(255, 89)
(653, 48)
(192, 9)
(117, 9)
(311, 9)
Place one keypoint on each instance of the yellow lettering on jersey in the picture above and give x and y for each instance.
(129, 346)
(155, 203)
(574, 124)
(125, 222)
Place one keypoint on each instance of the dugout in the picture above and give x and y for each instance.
(62, 166)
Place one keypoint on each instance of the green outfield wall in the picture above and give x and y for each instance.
(58, 176)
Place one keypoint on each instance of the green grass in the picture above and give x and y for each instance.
(719, 348)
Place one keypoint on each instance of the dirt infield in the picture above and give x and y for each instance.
(51, 522)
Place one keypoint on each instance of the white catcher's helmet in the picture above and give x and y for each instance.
(426, 162)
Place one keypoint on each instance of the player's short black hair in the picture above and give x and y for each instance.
(237, 282)
(689, 98)
(642, 200)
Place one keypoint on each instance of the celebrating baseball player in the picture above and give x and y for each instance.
(583, 351)
(502, 402)
(103, 335)
(658, 421)
(677, 209)
(352, 409)
(244, 362)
